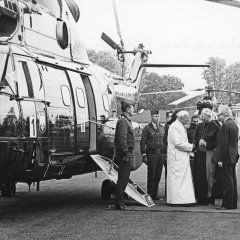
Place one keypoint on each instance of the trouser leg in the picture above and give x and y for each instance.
(158, 173)
(210, 171)
(235, 194)
(124, 169)
(227, 175)
(151, 170)
(199, 177)
(165, 168)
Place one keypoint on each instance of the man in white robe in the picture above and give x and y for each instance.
(180, 188)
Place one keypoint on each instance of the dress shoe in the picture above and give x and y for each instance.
(203, 202)
(211, 200)
(121, 207)
(223, 208)
(157, 198)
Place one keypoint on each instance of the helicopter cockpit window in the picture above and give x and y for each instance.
(105, 102)
(80, 97)
(66, 96)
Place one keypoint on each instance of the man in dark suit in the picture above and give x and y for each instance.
(227, 157)
(124, 144)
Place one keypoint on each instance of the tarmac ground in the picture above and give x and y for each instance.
(72, 209)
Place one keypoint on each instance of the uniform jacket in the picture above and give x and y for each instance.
(227, 148)
(124, 135)
(152, 140)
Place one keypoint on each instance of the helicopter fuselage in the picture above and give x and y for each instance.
(56, 107)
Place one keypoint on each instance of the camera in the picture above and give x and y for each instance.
(206, 103)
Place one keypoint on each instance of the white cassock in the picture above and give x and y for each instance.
(180, 188)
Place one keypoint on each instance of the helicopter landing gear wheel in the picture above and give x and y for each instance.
(8, 189)
(107, 190)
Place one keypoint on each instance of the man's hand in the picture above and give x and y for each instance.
(220, 164)
(126, 158)
(144, 159)
(203, 143)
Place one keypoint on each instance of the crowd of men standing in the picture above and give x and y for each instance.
(210, 140)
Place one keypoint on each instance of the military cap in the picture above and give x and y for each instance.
(127, 103)
(154, 111)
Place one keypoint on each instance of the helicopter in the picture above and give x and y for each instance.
(57, 108)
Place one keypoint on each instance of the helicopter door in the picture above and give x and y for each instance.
(60, 109)
(81, 112)
(92, 112)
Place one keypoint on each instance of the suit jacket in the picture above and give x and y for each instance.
(227, 149)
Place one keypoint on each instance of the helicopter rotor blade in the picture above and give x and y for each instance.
(232, 3)
(172, 91)
(227, 91)
(188, 97)
(109, 41)
(117, 22)
(152, 65)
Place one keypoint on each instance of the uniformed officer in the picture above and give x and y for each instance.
(124, 144)
(152, 149)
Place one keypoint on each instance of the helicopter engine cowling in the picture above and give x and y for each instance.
(106, 141)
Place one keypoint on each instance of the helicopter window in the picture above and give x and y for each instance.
(80, 97)
(66, 96)
(105, 102)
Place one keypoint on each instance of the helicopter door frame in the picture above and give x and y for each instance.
(82, 132)
(92, 112)
(60, 108)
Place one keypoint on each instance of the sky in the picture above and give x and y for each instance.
(176, 31)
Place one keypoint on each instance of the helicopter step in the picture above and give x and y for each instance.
(132, 189)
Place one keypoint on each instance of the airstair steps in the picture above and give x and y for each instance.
(132, 189)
